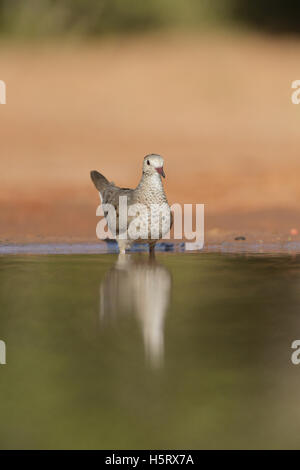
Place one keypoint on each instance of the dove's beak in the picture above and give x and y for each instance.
(160, 170)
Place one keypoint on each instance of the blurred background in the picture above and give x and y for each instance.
(98, 84)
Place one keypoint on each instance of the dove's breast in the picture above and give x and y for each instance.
(158, 217)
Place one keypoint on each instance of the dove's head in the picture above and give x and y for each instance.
(153, 164)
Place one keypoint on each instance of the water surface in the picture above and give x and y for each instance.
(190, 351)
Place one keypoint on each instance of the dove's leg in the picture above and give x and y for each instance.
(152, 249)
(123, 244)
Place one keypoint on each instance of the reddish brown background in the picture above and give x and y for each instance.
(216, 106)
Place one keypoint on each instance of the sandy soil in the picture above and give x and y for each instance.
(218, 107)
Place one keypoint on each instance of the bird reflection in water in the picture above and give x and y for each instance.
(142, 288)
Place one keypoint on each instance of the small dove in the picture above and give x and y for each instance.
(148, 216)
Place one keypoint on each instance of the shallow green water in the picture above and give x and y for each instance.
(193, 351)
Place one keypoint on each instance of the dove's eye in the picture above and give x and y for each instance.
(148, 163)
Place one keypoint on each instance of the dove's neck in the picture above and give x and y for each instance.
(151, 181)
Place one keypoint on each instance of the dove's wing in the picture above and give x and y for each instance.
(111, 195)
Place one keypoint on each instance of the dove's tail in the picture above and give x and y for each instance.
(99, 180)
